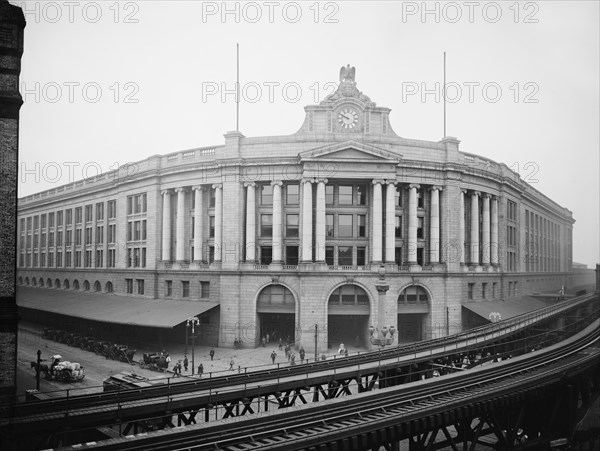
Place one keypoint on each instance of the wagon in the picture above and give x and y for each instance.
(153, 361)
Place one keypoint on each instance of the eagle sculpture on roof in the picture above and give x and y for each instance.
(347, 73)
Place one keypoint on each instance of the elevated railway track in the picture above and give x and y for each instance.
(52, 422)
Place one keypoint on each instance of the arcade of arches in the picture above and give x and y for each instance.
(413, 309)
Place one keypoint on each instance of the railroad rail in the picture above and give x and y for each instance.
(383, 417)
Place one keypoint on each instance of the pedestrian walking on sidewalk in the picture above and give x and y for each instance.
(200, 370)
(280, 344)
(185, 363)
(231, 363)
(211, 353)
(273, 356)
(302, 354)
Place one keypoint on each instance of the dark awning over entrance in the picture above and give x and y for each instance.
(506, 309)
(164, 313)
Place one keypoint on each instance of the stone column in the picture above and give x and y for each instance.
(494, 231)
(412, 224)
(277, 231)
(306, 220)
(218, 187)
(198, 229)
(485, 231)
(320, 230)
(390, 221)
(180, 225)
(461, 226)
(377, 222)
(434, 228)
(166, 226)
(475, 227)
(250, 221)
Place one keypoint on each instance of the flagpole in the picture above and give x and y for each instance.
(444, 94)
(237, 88)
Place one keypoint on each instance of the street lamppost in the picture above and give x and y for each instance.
(316, 338)
(381, 339)
(193, 321)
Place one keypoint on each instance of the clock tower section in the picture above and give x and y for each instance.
(348, 112)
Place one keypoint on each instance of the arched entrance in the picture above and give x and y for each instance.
(413, 308)
(348, 311)
(276, 310)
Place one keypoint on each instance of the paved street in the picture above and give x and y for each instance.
(99, 368)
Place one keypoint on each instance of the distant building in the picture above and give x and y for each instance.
(342, 225)
(579, 265)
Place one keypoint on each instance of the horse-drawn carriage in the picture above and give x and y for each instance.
(154, 361)
(60, 370)
(120, 352)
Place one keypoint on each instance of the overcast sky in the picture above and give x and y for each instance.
(106, 83)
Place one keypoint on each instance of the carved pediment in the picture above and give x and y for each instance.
(350, 150)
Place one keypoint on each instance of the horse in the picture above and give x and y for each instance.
(42, 367)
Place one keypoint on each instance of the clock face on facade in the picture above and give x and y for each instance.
(348, 118)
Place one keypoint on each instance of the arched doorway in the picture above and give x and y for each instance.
(413, 308)
(276, 309)
(348, 311)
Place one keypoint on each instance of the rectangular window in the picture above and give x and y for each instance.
(43, 240)
(362, 226)
(143, 258)
(43, 259)
(78, 259)
(266, 225)
(291, 226)
(59, 218)
(345, 256)
(291, 255)
(78, 237)
(50, 219)
(329, 229)
(68, 259)
(185, 289)
(483, 290)
(112, 209)
(88, 235)
(69, 217)
(168, 288)
(292, 194)
(266, 255)
(329, 251)
(100, 211)
(345, 195)
(51, 239)
(140, 286)
(398, 232)
(137, 230)
(211, 226)
(88, 213)
(398, 255)
(99, 258)
(59, 259)
(36, 222)
(59, 238)
(78, 215)
(397, 196)
(471, 287)
(43, 221)
(69, 238)
(510, 288)
(345, 225)
(144, 230)
(329, 194)
(112, 233)
(129, 285)
(420, 227)
(136, 257)
(266, 195)
(204, 290)
(211, 254)
(361, 194)
(420, 198)
(494, 290)
(361, 256)
(100, 235)
(212, 200)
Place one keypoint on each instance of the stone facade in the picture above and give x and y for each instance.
(340, 226)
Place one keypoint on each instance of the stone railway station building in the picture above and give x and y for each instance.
(342, 225)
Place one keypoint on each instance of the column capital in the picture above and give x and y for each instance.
(463, 190)
(413, 185)
(217, 185)
(307, 180)
(486, 195)
(436, 187)
(321, 181)
(165, 191)
(475, 193)
(378, 181)
(198, 188)
(276, 182)
(390, 181)
(249, 184)
(180, 189)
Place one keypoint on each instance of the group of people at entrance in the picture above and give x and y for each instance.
(177, 368)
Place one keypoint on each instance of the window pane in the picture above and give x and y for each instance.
(361, 194)
(345, 256)
(360, 256)
(291, 229)
(398, 227)
(345, 195)
(328, 194)
(329, 230)
(362, 225)
(266, 225)
(345, 225)
(292, 192)
(266, 195)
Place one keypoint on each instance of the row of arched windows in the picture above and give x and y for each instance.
(48, 283)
